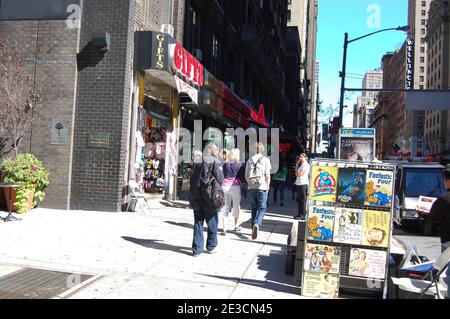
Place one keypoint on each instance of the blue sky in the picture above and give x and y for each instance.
(357, 17)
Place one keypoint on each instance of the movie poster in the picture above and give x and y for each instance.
(322, 258)
(348, 226)
(323, 183)
(351, 186)
(357, 148)
(320, 285)
(367, 263)
(379, 188)
(320, 223)
(376, 228)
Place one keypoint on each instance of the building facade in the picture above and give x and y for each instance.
(437, 123)
(303, 15)
(373, 79)
(119, 77)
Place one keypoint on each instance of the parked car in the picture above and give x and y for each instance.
(416, 179)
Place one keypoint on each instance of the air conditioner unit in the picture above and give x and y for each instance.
(167, 28)
(231, 86)
(198, 54)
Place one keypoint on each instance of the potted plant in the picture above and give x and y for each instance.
(27, 170)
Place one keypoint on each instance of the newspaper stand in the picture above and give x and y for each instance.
(359, 256)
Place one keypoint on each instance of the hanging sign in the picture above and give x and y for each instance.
(183, 87)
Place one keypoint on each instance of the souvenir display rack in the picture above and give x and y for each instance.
(352, 234)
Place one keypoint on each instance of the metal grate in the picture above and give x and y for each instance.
(31, 283)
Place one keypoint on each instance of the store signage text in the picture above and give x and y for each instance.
(185, 64)
(409, 64)
(160, 51)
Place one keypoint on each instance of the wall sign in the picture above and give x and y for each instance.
(98, 140)
(185, 64)
(59, 131)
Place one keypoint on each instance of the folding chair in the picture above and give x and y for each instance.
(135, 193)
(422, 286)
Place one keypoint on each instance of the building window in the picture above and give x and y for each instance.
(424, 13)
(421, 87)
(289, 15)
(422, 69)
(424, 3)
(423, 22)
(422, 59)
(422, 49)
(423, 31)
(289, 1)
(422, 40)
(215, 56)
(422, 78)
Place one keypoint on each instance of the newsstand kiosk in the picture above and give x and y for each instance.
(348, 229)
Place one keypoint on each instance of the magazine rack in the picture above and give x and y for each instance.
(348, 228)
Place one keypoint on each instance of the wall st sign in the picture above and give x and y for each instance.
(409, 83)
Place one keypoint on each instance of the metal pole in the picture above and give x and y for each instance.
(344, 65)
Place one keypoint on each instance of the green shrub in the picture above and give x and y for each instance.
(26, 169)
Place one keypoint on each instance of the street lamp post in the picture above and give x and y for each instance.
(344, 65)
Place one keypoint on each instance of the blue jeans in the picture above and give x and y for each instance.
(259, 205)
(212, 221)
(447, 273)
(278, 186)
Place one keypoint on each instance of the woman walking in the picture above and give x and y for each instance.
(301, 184)
(234, 175)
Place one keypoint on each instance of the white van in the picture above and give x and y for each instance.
(413, 180)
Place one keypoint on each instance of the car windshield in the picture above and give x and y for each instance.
(424, 182)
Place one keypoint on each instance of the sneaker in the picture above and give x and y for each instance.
(212, 251)
(237, 228)
(223, 233)
(255, 231)
(195, 254)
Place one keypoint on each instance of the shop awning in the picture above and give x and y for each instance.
(259, 118)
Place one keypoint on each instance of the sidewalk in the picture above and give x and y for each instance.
(149, 256)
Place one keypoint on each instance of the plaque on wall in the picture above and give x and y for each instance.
(98, 140)
(59, 131)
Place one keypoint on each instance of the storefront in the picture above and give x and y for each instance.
(165, 74)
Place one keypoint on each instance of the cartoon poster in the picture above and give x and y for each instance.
(320, 223)
(348, 226)
(323, 183)
(351, 186)
(379, 188)
(367, 263)
(376, 228)
(322, 258)
(320, 285)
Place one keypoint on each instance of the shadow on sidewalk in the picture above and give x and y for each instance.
(275, 278)
(157, 244)
(174, 204)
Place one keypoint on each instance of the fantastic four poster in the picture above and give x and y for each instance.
(378, 188)
(320, 223)
(323, 183)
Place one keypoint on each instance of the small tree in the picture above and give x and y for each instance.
(18, 98)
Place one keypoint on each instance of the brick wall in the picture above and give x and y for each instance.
(103, 105)
(49, 48)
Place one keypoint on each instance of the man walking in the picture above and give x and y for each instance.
(199, 178)
(302, 172)
(257, 174)
(440, 214)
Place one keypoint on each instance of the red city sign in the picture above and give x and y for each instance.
(184, 63)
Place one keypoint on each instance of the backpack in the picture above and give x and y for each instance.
(211, 193)
(256, 174)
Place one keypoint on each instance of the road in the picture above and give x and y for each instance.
(428, 246)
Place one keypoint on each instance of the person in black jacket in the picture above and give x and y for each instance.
(440, 214)
(201, 214)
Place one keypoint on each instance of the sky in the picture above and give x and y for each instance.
(357, 17)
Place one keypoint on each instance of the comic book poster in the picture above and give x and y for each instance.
(367, 263)
(320, 223)
(351, 186)
(379, 188)
(320, 285)
(322, 258)
(376, 228)
(348, 226)
(323, 183)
